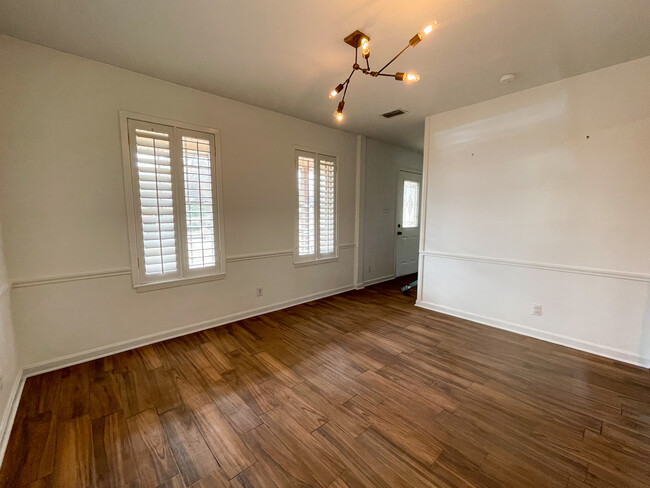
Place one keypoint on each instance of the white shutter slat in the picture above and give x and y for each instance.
(154, 173)
(199, 212)
(327, 209)
(306, 206)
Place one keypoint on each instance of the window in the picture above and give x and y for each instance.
(172, 178)
(315, 238)
(410, 207)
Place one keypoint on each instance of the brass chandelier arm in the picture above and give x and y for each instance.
(396, 56)
(347, 83)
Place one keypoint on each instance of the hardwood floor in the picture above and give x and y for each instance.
(360, 389)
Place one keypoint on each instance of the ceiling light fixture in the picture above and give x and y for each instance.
(359, 40)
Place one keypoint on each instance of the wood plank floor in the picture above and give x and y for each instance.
(360, 389)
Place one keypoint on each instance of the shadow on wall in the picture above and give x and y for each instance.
(644, 343)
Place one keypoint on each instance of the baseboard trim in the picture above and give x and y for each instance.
(562, 340)
(563, 268)
(9, 416)
(381, 279)
(99, 352)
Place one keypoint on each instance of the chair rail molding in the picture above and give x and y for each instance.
(563, 268)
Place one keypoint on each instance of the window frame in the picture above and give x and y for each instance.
(184, 274)
(317, 257)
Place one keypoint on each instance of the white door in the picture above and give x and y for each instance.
(408, 222)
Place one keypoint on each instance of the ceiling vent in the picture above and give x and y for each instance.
(394, 113)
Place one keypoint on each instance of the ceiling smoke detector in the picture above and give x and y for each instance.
(507, 78)
(394, 113)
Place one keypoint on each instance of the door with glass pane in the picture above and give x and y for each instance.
(409, 187)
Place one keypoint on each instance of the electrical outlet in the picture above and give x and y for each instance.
(535, 309)
(369, 269)
(260, 291)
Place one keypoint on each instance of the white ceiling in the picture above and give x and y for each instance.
(286, 55)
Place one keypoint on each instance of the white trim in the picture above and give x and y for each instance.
(606, 273)
(7, 421)
(581, 345)
(159, 285)
(91, 275)
(423, 205)
(259, 255)
(102, 351)
(381, 279)
(359, 210)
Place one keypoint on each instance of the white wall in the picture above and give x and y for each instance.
(382, 164)
(63, 209)
(544, 196)
(9, 365)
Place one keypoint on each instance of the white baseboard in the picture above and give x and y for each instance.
(381, 279)
(581, 345)
(102, 351)
(7, 421)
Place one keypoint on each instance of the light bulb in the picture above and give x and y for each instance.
(365, 48)
(407, 77)
(427, 30)
(338, 115)
(336, 90)
(424, 32)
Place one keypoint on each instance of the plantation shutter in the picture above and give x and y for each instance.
(151, 152)
(198, 167)
(315, 234)
(327, 202)
(306, 205)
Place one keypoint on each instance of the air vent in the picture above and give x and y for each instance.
(394, 113)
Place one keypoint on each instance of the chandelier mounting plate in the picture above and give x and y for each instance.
(354, 39)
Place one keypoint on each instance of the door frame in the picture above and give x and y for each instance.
(415, 172)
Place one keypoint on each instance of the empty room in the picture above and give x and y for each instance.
(331, 244)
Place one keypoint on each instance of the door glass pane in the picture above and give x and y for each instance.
(410, 207)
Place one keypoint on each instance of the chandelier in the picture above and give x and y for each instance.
(359, 40)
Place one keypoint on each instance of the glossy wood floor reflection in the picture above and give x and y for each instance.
(360, 389)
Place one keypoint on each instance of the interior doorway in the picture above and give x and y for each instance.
(409, 185)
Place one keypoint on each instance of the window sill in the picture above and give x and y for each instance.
(298, 264)
(159, 285)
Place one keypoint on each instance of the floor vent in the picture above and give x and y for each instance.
(394, 113)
